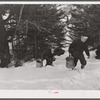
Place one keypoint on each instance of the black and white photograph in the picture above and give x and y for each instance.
(50, 46)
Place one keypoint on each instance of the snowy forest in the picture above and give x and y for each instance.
(28, 30)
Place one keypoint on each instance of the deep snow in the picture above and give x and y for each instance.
(58, 77)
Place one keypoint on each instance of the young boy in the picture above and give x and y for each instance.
(77, 48)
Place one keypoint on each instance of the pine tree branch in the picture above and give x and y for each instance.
(69, 40)
(72, 28)
(72, 34)
(22, 25)
(34, 25)
(70, 37)
(39, 27)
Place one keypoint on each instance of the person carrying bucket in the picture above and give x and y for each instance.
(76, 49)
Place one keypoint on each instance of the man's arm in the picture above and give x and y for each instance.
(71, 47)
(87, 51)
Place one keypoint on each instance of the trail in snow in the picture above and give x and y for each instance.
(52, 78)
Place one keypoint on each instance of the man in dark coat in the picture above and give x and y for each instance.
(49, 54)
(77, 48)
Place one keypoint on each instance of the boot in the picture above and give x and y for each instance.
(82, 66)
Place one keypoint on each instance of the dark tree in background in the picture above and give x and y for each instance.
(4, 52)
(31, 29)
(43, 28)
(85, 20)
(8, 24)
(4, 48)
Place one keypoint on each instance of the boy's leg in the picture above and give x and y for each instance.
(82, 61)
(49, 61)
(75, 61)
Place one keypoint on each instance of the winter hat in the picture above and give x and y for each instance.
(84, 36)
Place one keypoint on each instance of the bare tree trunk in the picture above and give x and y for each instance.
(17, 62)
(20, 15)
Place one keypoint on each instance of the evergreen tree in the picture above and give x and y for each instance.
(32, 28)
(44, 29)
(85, 20)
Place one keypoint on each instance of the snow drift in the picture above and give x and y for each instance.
(58, 77)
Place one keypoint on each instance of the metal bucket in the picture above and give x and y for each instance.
(70, 62)
(39, 63)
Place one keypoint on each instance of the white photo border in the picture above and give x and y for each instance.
(46, 93)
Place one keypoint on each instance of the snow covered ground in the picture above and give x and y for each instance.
(58, 77)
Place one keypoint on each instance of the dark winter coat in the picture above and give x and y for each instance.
(47, 54)
(59, 51)
(77, 48)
